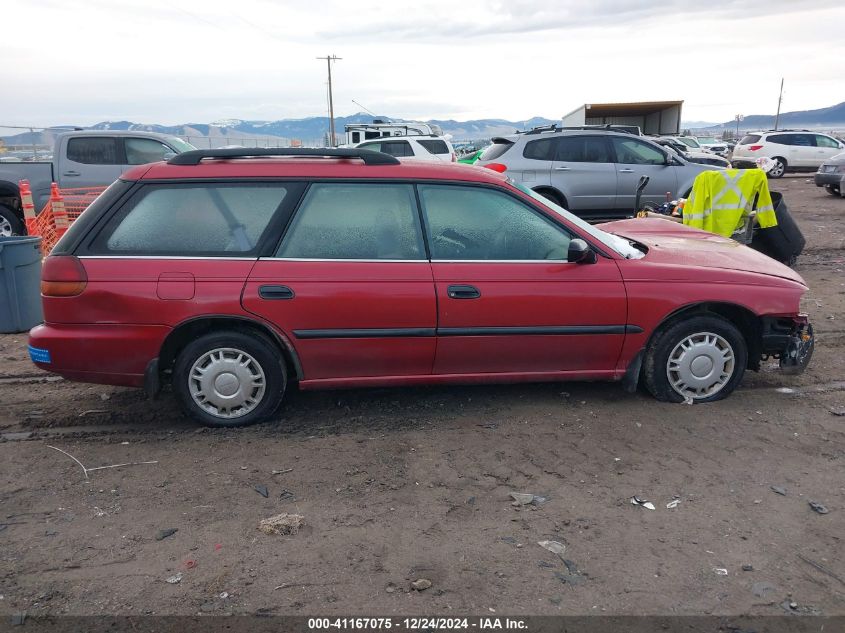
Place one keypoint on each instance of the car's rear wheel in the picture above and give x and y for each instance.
(779, 169)
(228, 379)
(699, 359)
(9, 222)
(832, 189)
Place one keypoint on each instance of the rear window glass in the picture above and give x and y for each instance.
(187, 220)
(499, 147)
(93, 151)
(748, 139)
(435, 146)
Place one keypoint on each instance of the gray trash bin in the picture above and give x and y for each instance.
(20, 283)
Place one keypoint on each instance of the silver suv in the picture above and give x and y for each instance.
(591, 172)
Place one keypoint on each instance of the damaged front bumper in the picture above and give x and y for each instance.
(790, 340)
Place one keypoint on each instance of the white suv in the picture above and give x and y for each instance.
(792, 150)
(416, 147)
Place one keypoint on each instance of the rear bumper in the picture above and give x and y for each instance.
(99, 353)
(790, 340)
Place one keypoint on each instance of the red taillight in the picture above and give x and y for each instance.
(63, 276)
(754, 148)
(497, 167)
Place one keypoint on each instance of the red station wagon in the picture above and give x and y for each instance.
(232, 273)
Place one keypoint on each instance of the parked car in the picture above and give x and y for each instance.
(593, 173)
(831, 175)
(711, 144)
(792, 150)
(686, 152)
(233, 274)
(88, 158)
(414, 147)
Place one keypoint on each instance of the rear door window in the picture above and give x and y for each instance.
(355, 221)
(400, 149)
(100, 150)
(194, 220)
(435, 146)
(582, 149)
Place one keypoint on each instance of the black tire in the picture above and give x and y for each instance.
(10, 224)
(832, 189)
(779, 169)
(664, 342)
(263, 352)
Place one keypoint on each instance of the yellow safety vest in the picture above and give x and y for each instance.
(720, 200)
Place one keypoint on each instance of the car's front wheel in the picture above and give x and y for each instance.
(699, 359)
(228, 379)
(779, 169)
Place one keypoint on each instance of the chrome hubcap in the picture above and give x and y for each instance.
(700, 365)
(227, 382)
(5, 227)
(778, 169)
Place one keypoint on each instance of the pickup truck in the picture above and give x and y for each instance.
(80, 159)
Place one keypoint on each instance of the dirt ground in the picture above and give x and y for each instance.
(403, 484)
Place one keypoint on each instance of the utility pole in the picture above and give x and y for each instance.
(329, 59)
(780, 98)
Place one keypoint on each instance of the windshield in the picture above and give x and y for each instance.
(689, 141)
(179, 145)
(706, 140)
(620, 245)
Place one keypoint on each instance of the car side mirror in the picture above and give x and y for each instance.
(580, 253)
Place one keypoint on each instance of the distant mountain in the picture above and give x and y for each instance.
(310, 131)
(697, 125)
(824, 118)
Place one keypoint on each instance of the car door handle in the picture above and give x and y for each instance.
(561, 168)
(70, 173)
(275, 292)
(463, 292)
(626, 171)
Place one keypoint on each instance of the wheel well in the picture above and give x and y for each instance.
(781, 159)
(744, 319)
(554, 193)
(186, 332)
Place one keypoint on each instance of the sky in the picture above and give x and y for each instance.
(198, 61)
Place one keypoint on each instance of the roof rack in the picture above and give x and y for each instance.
(370, 157)
(788, 130)
(612, 127)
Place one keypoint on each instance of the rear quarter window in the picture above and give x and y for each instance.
(748, 139)
(541, 149)
(193, 220)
